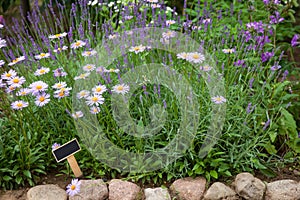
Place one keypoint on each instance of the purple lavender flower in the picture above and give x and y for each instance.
(276, 2)
(250, 108)
(266, 125)
(275, 19)
(251, 83)
(294, 40)
(240, 63)
(275, 67)
(266, 2)
(266, 56)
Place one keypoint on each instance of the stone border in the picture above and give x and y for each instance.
(245, 186)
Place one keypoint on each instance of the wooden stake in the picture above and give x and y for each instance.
(74, 166)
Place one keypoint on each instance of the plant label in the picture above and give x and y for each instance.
(67, 151)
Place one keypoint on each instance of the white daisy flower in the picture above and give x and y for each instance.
(205, 68)
(41, 71)
(59, 85)
(19, 105)
(42, 99)
(121, 89)
(228, 51)
(38, 86)
(99, 89)
(77, 44)
(83, 94)
(182, 55)
(170, 22)
(59, 35)
(63, 92)
(155, 6)
(16, 81)
(169, 34)
(9, 75)
(195, 57)
(218, 99)
(112, 36)
(89, 53)
(23, 92)
(42, 55)
(95, 110)
(137, 49)
(82, 76)
(60, 49)
(94, 100)
(15, 61)
(77, 114)
(112, 70)
(88, 67)
(10, 89)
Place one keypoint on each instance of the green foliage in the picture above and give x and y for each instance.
(260, 127)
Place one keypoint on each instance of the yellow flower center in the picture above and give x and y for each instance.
(58, 49)
(8, 75)
(196, 56)
(42, 71)
(57, 35)
(42, 54)
(98, 89)
(120, 88)
(19, 104)
(89, 66)
(137, 48)
(38, 87)
(41, 99)
(61, 93)
(82, 75)
(73, 187)
(58, 85)
(88, 53)
(23, 93)
(11, 88)
(16, 80)
(94, 99)
(15, 60)
(77, 43)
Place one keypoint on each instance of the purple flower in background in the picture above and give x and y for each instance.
(266, 125)
(240, 63)
(255, 26)
(55, 146)
(266, 56)
(2, 21)
(294, 40)
(250, 108)
(266, 2)
(275, 67)
(276, 2)
(251, 83)
(275, 19)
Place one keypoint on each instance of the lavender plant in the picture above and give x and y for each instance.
(43, 61)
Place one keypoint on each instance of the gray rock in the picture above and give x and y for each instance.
(91, 190)
(249, 187)
(46, 192)
(157, 194)
(189, 188)
(124, 190)
(219, 191)
(283, 190)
